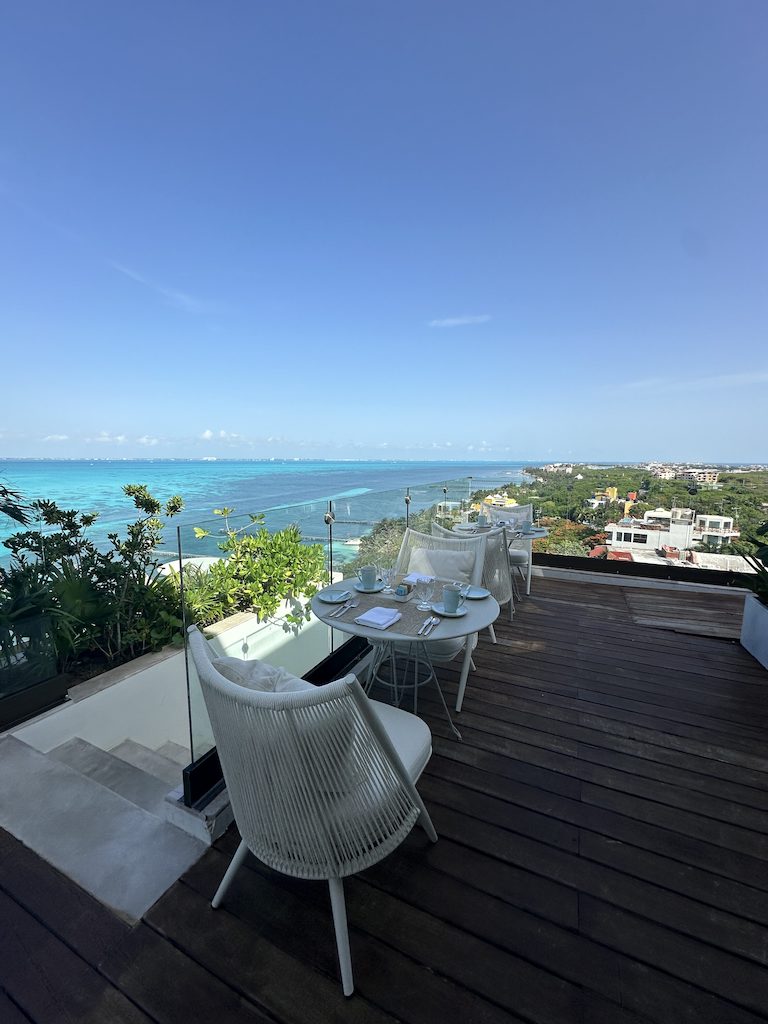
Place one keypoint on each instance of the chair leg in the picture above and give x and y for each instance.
(339, 911)
(230, 873)
(426, 823)
(492, 631)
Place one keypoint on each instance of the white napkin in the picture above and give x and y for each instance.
(414, 577)
(378, 618)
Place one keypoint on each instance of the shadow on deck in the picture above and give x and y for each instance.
(602, 859)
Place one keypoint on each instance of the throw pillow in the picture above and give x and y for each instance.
(445, 564)
(258, 675)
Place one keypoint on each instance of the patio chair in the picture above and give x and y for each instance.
(512, 519)
(496, 575)
(451, 558)
(321, 779)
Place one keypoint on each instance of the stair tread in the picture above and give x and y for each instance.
(142, 788)
(120, 853)
(174, 752)
(149, 760)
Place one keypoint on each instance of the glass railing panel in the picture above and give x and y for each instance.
(244, 579)
(31, 668)
(367, 529)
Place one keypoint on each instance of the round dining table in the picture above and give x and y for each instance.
(480, 613)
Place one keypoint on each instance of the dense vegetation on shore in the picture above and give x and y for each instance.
(558, 495)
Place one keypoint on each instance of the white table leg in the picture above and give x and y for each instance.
(530, 567)
(464, 672)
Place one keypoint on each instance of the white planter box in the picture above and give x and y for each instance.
(754, 629)
(146, 699)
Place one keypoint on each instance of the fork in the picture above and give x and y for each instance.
(352, 603)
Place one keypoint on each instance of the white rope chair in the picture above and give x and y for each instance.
(437, 556)
(512, 520)
(496, 575)
(321, 780)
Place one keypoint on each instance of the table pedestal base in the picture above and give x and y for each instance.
(413, 670)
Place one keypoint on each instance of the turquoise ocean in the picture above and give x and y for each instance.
(294, 491)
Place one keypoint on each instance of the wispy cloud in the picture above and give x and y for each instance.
(174, 297)
(149, 442)
(665, 385)
(106, 438)
(460, 321)
(222, 435)
(56, 437)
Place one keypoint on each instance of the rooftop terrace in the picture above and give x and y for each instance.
(602, 857)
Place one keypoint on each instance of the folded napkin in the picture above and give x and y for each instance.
(378, 618)
(414, 577)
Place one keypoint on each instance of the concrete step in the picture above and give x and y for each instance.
(138, 786)
(149, 761)
(175, 752)
(118, 852)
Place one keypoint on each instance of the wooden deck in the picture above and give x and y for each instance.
(603, 859)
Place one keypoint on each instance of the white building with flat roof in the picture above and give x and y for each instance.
(679, 528)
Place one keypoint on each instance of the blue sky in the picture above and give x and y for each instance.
(410, 229)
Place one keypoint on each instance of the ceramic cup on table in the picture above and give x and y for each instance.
(482, 520)
(452, 598)
(367, 576)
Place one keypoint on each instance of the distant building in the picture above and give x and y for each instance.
(662, 472)
(698, 476)
(605, 497)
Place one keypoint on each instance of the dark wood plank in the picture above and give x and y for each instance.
(50, 983)
(10, 1013)
(602, 858)
(172, 987)
(742, 983)
(61, 906)
(274, 940)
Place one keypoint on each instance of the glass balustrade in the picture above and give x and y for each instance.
(49, 625)
(244, 579)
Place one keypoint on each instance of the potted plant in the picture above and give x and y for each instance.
(754, 626)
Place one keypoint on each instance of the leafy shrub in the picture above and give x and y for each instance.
(258, 571)
(105, 607)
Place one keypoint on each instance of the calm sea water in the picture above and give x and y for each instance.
(295, 491)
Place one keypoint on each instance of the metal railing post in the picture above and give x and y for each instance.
(329, 519)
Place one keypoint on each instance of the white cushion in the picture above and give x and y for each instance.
(446, 565)
(410, 736)
(518, 557)
(258, 675)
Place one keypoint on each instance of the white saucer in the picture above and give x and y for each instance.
(476, 593)
(440, 609)
(334, 596)
(368, 590)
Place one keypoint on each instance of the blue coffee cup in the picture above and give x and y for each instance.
(367, 576)
(452, 597)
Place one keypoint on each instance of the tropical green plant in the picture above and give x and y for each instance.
(258, 570)
(104, 606)
(12, 505)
